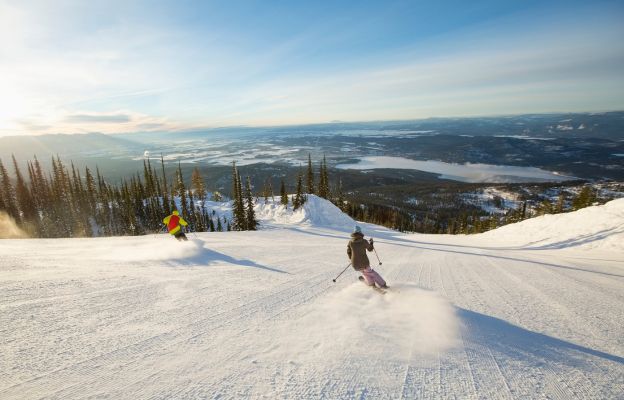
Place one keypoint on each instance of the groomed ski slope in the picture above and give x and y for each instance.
(533, 310)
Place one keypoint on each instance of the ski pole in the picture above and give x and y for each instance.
(375, 250)
(341, 273)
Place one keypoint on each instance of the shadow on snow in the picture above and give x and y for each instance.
(207, 257)
(418, 245)
(521, 344)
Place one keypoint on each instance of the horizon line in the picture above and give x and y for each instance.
(334, 122)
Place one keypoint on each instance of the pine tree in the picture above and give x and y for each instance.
(9, 194)
(474, 223)
(239, 218)
(585, 198)
(43, 200)
(2, 203)
(91, 191)
(104, 207)
(283, 194)
(561, 202)
(149, 178)
(265, 191)
(68, 215)
(24, 201)
(323, 190)
(41, 183)
(63, 220)
(34, 192)
(251, 215)
(192, 221)
(340, 199)
(299, 200)
(81, 204)
(198, 185)
(463, 223)
(181, 191)
(310, 176)
(493, 222)
(545, 207)
(271, 190)
(451, 227)
(165, 200)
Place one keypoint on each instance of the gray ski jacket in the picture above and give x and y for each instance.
(356, 250)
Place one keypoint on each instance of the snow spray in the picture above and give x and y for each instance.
(396, 326)
(9, 229)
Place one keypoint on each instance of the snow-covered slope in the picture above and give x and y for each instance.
(256, 314)
(596, 228)
(316, 212)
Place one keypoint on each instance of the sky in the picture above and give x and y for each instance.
(139, 66)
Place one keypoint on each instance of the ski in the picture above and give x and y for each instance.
(375, 288)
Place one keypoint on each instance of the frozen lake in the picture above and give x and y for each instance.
(461, 172)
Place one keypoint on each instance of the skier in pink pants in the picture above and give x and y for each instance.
(356, 250)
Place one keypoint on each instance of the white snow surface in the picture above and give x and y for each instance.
(598, 228)
(532, 310)
(316, 212)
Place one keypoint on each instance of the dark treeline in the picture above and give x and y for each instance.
(243, 216)
(64, 203)
(449, 214)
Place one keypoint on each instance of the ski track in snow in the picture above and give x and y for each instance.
(256, 315)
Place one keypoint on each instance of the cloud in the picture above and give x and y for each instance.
(151, 125)
(64, 71)
(97, 118)
(575, 70)
(120, 121)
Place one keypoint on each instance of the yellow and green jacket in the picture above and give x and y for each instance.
(173, 222)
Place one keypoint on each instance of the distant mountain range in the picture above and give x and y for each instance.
(585, 145)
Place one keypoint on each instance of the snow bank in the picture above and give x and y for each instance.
(597, 227)
(356, 320)
(315, 212)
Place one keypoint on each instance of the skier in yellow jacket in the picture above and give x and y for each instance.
(174, 225)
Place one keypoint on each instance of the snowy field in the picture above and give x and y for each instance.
(533, 310)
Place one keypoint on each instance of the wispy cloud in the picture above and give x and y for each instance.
(115, 122)
(97, 118)
(577, 71)
(65, 68)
